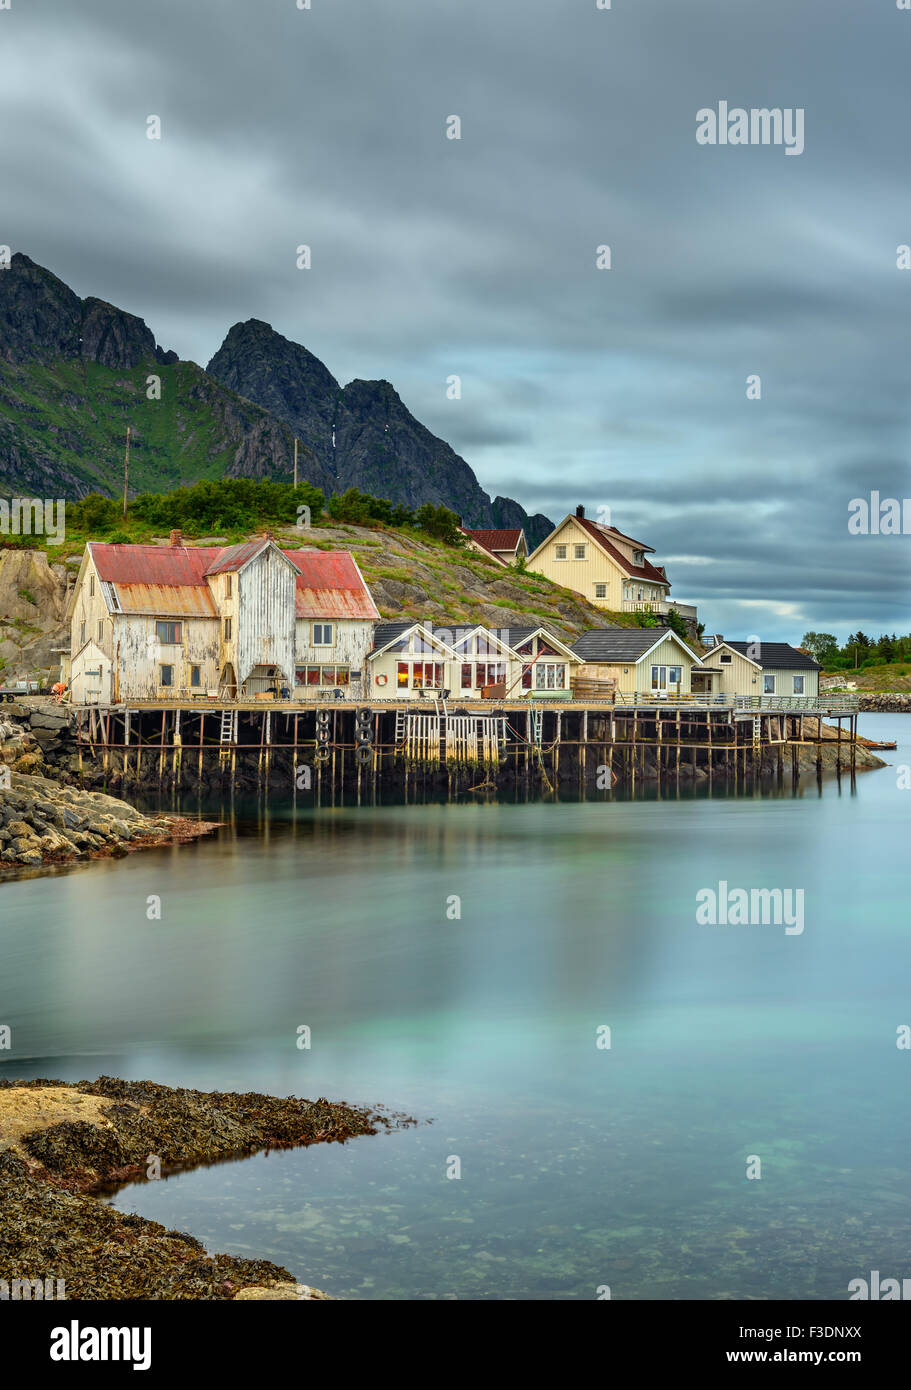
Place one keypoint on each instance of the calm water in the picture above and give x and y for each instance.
(580, 1166)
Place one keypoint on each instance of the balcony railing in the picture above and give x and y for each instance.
(658, 606)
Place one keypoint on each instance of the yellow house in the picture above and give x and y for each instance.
(608, 568)
(638, 659)
(761, 668)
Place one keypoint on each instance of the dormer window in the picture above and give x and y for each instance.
(638, 557)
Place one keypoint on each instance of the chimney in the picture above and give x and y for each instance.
(176, 538)
(580, 510)
(717, 639)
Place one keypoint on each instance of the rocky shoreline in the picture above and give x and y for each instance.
(895, 703)
(46, 821)
(62, 1145)
(43, 823)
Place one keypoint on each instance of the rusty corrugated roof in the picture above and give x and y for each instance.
(330, 585)
(153, 564)
(167, 600)
(234, 557)
(173, 579)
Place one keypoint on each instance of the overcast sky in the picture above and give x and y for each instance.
(624, 388)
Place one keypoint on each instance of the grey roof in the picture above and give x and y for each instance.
(387, 632)
(618, 643)
(773, 656)
(514, 636)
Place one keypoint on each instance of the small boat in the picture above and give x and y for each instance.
(882, 745)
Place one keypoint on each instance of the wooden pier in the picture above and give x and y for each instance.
(622, 739)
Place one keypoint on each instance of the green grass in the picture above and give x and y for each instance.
(77, 412)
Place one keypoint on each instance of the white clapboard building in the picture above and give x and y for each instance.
(177, 622)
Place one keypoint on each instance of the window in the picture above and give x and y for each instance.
(82, 634)
(169, 634)
(323, 635)
(798, 685)
(559, 552)
(768, 684)
(489, 673)
(659, 677)
(579, 552)
(322, 675)
(101, 629)
(427, 673)
(600, 591)
(166, 675)
(726, 659)
(401, 678)
(544, 676)
(640, 592)
(91, 586)
(465, 679)
(195, 676)
(227, 629)
(228, 578)
(638, 557)
(674, 675)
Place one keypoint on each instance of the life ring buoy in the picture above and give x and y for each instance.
(382, 680)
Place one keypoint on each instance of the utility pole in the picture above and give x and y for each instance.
(295, 462)
(126, 474)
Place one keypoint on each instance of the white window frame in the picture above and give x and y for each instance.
(768, 683)
(580, 551)
(799, 685)
(603, 591)
(557, 549)
(321, 641)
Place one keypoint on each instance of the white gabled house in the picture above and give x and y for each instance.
(237, 622)
(761, 668)
(411, 659)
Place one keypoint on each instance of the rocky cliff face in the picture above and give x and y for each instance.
(74, 373)
(362, 435)
(41, 319)
(32, 603)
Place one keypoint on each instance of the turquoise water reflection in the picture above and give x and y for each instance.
(580, 1166)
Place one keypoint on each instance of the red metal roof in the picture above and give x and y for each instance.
(602, 535)
(153, 564)
(170, 579)
(330, 585)
(234, 557)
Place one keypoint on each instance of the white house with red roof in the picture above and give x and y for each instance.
(504, 546)
(610, 569)
(155, 622)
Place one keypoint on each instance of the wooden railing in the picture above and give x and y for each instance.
(797, 703)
